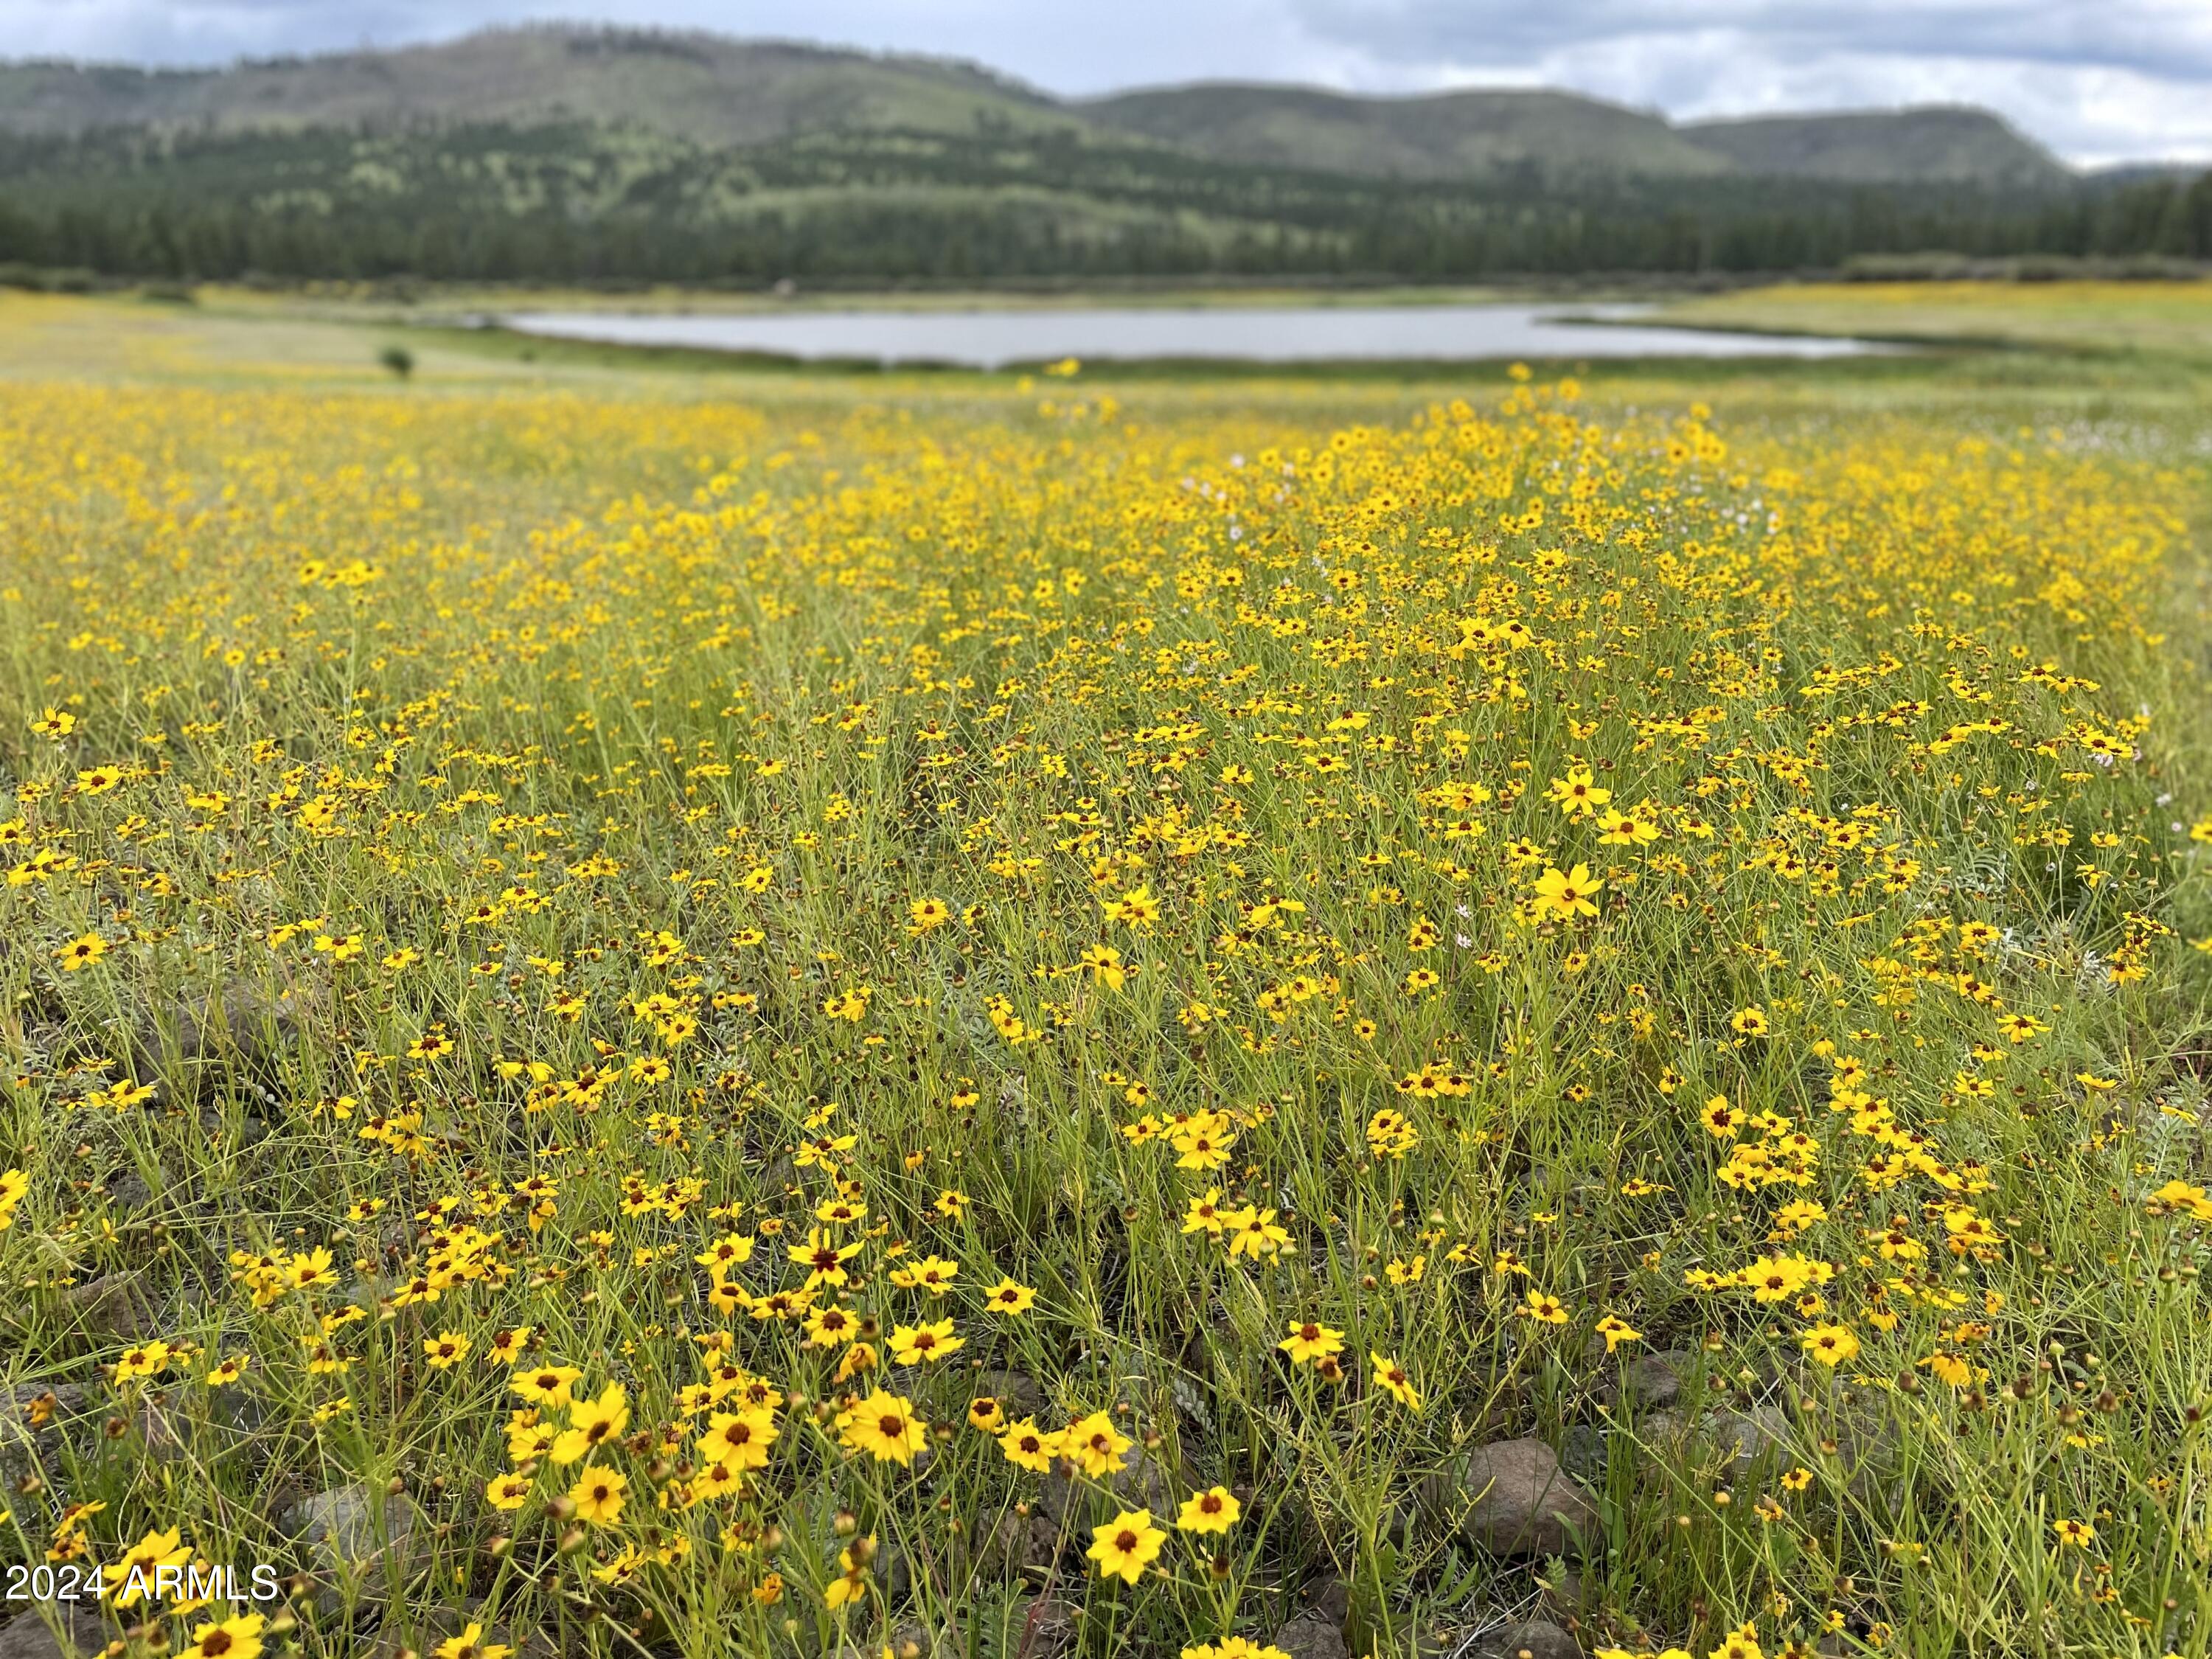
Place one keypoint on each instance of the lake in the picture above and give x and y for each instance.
(1274, 334)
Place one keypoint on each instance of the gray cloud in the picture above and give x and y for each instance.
(2148, 37)
(2097, 80)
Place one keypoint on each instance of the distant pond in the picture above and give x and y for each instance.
(1275, 334)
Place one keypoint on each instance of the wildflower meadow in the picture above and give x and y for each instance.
(1083, 1017)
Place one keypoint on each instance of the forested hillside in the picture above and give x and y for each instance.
(594, 155)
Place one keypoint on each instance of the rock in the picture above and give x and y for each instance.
(915, 1640)
(1311, 1636)
(1521, 1502)
(1045, 1628)
(1745, 1437)
(1018, 1395)
(130, 1191)
(231, 1417)
(1565, 1593)
(1748, 1437)
(1141, 1481)
(27, 1636)
(1018, 1544)
(162, 1435)
(1532, 1639)
(114, 1308)
(1664, 1428)
(1648, 1382)
(237, 1411)
(1583, 1453)
(888, 1564)
(341, 1527)
(34, 1422)
(1873, 1457)
(1328, 1598)
(423, 1632)
(247, 1026)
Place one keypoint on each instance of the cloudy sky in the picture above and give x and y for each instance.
(2097, 81)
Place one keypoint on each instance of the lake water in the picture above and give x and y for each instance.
(1277, 334)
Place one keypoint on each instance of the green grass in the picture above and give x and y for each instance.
(2155, 322)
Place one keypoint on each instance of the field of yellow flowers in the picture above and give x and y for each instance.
(1018, 1023)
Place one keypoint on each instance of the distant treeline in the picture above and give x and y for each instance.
(584, 204)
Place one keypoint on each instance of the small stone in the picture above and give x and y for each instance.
(1870, 1452)
(1018, 1544)
(244, 1027)
(340, 1526)
(1018, 1394)
(162, 1435)
(1537, 1638)
(1664, 1428)
(114, 1308)
(27, 1635)
(224, 1419)
(1745, 1437)
(1044, 1628)
(1583, 1453)
(1328, 1598)
(889, 1568)
(1311, 1636)
(34, 1422)
(424, 1632)
(1748, 1435)
(1139, 1481)
(1648, 1382)
(239, 1412)
(926, 1641)
(1565, 1592)
(1523, 1503)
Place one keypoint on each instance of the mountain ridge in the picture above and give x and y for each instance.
(1441, 135)
(723, 91)
(1949, 143)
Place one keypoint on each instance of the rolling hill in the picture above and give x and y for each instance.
(715, 91)
(705, 88)
(618, 156)
(1941, 144)
(1458, 135)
